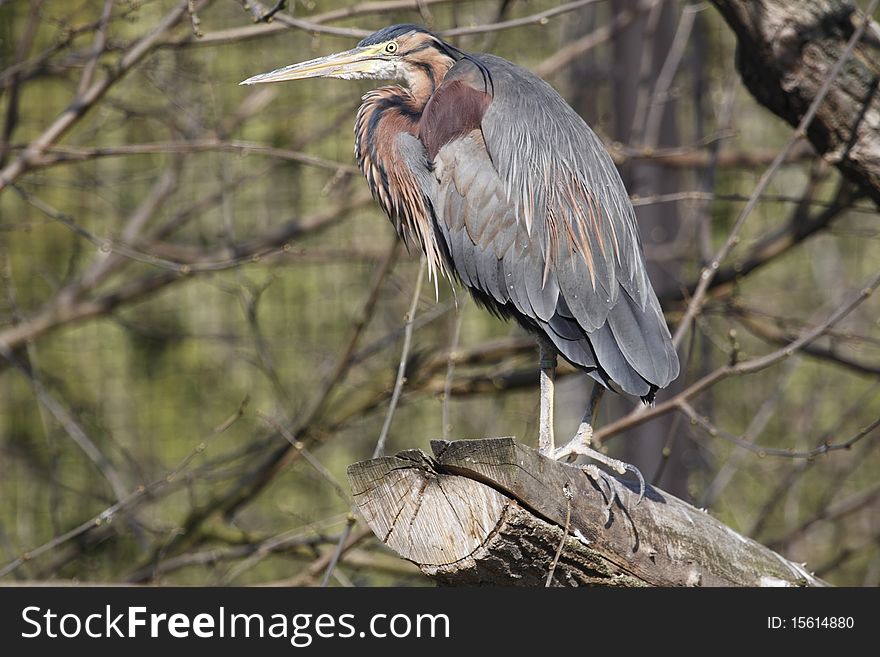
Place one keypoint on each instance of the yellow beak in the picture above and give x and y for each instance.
(349, 64)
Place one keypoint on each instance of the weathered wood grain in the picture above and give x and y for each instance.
(429, 517)
(493, 511)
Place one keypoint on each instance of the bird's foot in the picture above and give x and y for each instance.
(580, 446)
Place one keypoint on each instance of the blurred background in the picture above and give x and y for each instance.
(202, 311)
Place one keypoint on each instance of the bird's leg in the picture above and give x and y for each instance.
(584, 433)
(581, 443)
(547, 356)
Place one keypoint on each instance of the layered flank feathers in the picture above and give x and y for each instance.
(546, 234)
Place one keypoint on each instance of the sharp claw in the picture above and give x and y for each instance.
(606, 486)
(637, 473)
(612, 496)
(575, 447)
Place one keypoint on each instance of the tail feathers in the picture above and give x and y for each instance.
(632, 351)
(643, 338)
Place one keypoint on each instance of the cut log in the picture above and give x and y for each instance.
(494, 512)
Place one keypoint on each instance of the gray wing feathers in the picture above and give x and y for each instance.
(612, 360)
(508, 204)
(568, 177)
(644, 339)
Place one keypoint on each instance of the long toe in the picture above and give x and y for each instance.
(579, 447)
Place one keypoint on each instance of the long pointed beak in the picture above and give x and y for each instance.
(341, 65)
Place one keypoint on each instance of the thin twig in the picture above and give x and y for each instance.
(827, 513)
(824, 448)
(350, 522)
(539, 18)
(660, 94)
(270, 545)
(787, 482)
(65, 154)
(777, 335)
(316, 21)
(571, 51)
(269, 15)
(97, 50)
(744, 367)
(321, 563)
(85, 101)
(708, 273)
(846, 554)
(647, 36)
(250, 553)
(567, 494)
(124, 504)
(300, 447)
(450, 369)
(401, 369)
(759, 422)
(73, 429)
(194, 20)
(347, 357)
(13, 74)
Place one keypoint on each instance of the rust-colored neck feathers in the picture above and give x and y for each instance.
(384, 115)
(433, 109)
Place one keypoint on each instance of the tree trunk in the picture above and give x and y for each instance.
(785, 52)
(496, 512)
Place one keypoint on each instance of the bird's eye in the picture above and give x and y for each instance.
(391, 47)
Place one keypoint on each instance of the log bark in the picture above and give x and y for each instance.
(785, 51)
(494, 512)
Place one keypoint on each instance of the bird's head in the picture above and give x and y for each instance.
(407, 53)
